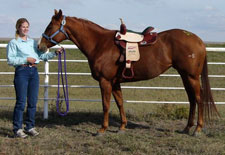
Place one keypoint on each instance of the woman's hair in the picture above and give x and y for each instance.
(19, 23)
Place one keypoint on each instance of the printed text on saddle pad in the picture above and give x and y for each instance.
(132, 53)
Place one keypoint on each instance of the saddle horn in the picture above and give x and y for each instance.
(123, 28)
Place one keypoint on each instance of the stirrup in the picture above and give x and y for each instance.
(131, 71)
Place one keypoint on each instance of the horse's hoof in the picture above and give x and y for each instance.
(185, 132)
(121, 131)
(197, 134)
(99, 134)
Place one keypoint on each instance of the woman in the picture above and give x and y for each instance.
(23, 54)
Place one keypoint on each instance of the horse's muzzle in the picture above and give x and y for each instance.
(42, 47)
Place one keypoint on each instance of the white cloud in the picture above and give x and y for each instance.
(209, 8)
(5, 19)
(62, 3)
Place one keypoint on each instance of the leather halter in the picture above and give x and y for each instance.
(61, 29)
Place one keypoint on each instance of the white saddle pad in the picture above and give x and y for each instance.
(132, 53)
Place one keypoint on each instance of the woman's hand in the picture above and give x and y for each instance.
(31, 60)
(60, 50)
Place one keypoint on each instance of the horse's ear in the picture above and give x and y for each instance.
(58, 14)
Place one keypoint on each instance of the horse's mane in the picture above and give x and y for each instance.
(88, 22)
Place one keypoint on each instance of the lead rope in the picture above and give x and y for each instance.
(65, 90)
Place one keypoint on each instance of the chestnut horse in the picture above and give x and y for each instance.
(175, 48)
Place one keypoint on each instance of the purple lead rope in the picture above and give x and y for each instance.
(65, 90)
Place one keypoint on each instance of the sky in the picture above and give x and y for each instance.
(205, 18)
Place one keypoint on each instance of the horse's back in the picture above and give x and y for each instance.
(182, 37)
(188, 50)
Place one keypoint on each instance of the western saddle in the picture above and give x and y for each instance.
(129, 41)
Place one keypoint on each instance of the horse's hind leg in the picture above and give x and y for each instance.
(195, 82)
(192, 87)
(117, 93)
(192, 100)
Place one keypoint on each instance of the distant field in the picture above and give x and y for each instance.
(152, 128)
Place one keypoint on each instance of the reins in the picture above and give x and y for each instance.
(65, 88)
(60, 72)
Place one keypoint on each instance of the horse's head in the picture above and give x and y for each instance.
(54, 33)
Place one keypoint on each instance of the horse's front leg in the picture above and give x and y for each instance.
(117, 93)
(106, 90)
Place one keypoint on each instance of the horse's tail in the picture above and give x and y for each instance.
(210, 109)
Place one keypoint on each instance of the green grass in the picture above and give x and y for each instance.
(148, 132)
(151, 129)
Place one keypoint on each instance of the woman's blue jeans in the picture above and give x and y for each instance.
(26, 83)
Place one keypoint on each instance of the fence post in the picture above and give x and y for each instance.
(46, 90)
